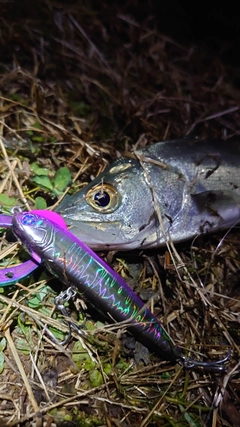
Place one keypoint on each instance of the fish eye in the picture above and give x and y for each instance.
(103, 198)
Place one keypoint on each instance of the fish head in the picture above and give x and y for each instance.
(114, 211)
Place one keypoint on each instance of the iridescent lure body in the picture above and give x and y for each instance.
(75, 264)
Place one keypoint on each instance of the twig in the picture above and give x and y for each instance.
(10, 167)
(33, 401)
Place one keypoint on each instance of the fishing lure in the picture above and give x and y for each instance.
(44, 234)
(16, 272)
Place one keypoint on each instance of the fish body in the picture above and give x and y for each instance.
(77, 265)
(194, 183)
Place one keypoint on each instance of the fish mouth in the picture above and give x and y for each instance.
(107, 236)
(97, 234)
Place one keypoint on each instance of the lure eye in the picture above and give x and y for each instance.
(31, 220)
(103, 198)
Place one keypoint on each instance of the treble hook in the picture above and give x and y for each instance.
(217, 366)
(59, 302)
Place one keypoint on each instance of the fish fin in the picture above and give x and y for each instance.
(222, 207)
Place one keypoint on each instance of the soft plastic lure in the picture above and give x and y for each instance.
(44, 234)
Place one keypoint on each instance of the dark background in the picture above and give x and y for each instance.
(214, 23)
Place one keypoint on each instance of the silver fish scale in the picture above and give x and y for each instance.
(196, 183)
(206, 165)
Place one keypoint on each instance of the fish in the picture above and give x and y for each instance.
(74, 263)
(172, 190)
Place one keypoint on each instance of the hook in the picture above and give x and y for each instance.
(217, 366)
(59, 302)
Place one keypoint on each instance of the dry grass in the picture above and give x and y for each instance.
(78, 85)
